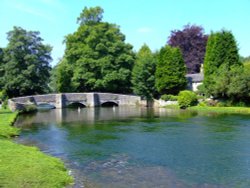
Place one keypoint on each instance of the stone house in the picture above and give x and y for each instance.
(194, 80)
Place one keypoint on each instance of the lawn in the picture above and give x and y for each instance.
(23, 166)
(241, 110)
(6, 119)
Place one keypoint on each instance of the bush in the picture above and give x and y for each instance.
(29, 108)
(166, 97)
(202, 104)
(187, 98)
(3, 99)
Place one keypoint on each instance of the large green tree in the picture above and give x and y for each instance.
(143, 74)
(26, 63)
(61, 76)
(170, 71)
(221, 63)
(98, 56)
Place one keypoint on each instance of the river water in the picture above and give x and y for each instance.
(139, 147)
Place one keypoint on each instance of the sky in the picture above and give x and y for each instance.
(141, 21)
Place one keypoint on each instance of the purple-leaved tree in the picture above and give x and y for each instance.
(192, 43)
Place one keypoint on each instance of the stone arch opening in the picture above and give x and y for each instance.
(109, 104)
(76, 105)
(45, 106)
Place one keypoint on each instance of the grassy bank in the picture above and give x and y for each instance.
(6, 119)
(231, 110)
(23, 166)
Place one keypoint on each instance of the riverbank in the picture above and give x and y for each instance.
(23, 166)
(231, 110)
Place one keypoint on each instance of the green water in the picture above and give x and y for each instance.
(136, 147)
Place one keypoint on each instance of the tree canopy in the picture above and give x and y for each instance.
(90, 15)
(225, 76)
(98, 56)
(25, 63)
(170, 71)
(192, 43)
(143, 74)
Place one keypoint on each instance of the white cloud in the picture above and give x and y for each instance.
(31, 10)
(144, 30)
(53, 3)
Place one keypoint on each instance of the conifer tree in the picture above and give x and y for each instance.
(143, 74)
(170, 71)
(221, 57)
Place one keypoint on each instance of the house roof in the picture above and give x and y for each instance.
(194, 78)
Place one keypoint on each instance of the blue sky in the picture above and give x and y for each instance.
(142, 21)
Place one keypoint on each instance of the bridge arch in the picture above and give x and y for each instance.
(45, 105)
(76, 105)
(109, 104)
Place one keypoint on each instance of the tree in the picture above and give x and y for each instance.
(26, 63)
(61, 77)
(90, 15)
(1, 68)
(239, 87)
(170, 71)
(143, 78)
(221, 57)
(99, 57)
(192, 43)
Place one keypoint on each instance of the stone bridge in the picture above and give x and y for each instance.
(63, 100)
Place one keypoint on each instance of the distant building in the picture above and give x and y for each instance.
(194, 80)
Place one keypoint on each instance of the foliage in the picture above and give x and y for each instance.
(62, 77)
(166, 97)
(186, 99)
(239, 85)
(97, 55)
(245, 59)
(1, 68)
(192, 42)
(26, 63)
(90, 16)
(225, 76)
(143, 78)
(201, 90)
(3, 99)
(170, 71)
(29, 108)
(247, 67)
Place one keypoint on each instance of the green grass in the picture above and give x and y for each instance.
(237, 110)
(23, 166)
(7, 118)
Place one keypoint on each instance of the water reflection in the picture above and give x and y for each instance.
(92, 115)
(139, 147)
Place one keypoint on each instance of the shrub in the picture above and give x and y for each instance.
(166, 97)
(29, 108)
(202, 104)
(187, 98)
(3, 99)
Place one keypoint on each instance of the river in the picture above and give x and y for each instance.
(138, 147)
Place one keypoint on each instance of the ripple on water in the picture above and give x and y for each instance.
(118, 172)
